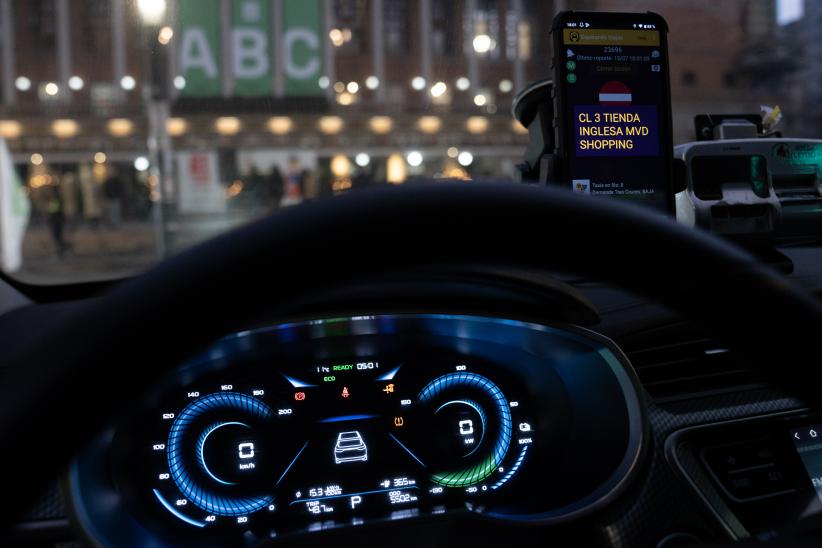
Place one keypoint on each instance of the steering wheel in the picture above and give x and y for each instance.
(63, 385)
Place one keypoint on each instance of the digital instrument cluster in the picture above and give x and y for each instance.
(336, 438)
(292, 428)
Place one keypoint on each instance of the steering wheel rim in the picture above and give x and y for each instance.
(58, 391)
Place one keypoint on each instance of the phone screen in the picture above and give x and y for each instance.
(613, 107)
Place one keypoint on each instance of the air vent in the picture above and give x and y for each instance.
(675, 362)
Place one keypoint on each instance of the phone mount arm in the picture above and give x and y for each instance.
(533, 108)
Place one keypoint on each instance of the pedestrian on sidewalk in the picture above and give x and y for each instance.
(57, 219)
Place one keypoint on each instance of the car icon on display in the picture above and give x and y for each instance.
(350, 447)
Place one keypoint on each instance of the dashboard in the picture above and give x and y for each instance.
(288, 429)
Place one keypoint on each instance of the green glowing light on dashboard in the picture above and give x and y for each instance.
(759, 176)
(470, 476)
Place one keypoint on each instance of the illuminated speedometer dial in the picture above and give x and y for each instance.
(470, 419)
(216, 453)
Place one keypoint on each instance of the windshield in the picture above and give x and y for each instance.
(134, 129)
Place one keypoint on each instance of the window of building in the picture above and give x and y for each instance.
(443, 33)
(96, 34)
(351, 16)
(42, 22)
(395, 17)
(511, 35)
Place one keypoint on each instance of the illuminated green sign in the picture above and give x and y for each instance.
(251, 59)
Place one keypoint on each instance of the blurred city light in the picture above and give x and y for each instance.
(323, 82)
(152, 12)
(128, 82)
(340, 165)
(429, 124)
(339, 87)
(22, 83)
(476, 124)
(36, 159)
(51, 89)
(505, 86)
(141, 163)
(465, 158)
(463, 83)
(179, 82)
(352, 87)
(418, 83)
(120, 127)
(336, 36)
(228, 125)
(396, 172)
(372, 82)
(452, 152)
(482, 43)
(176, 126)
(381, 124)
(64, 128)
(280, 125)
(10, 129)
(362, 159)
(414, 158)
(345, 99)
(99, 157)
(76, 83)
(480, 99)
(438, 89)
(165, 35)
(330, 125)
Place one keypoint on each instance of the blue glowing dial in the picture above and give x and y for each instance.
(497, 419)
(187, 461)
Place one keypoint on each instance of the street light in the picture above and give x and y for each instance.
(128, 82)
(438, 89)
(76, 83)
(414, 158)
(483, 43)
(152, 12)
(362, 159)
(141, 163)
(22, 83)
(156, 96)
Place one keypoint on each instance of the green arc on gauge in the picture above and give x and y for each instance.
(464, 478)
(489, 464)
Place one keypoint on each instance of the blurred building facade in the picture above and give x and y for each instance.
(803, 75)
(220, 110)
(74, 76)
(74, 72)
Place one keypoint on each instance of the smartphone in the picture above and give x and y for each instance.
(612, 106)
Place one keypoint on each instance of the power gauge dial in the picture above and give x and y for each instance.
(471, 422)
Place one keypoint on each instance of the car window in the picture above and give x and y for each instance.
(132, 130)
